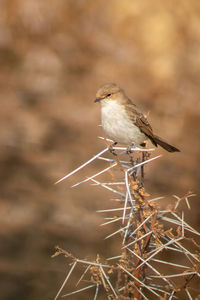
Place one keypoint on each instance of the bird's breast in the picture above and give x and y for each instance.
(118, 126)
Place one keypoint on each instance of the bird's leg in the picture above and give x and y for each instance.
(129, 148)
(142, 169)
(129, 153)
(111, 148)
(116, 158)
(145, 156)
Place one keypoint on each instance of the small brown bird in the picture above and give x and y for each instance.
(123, 122)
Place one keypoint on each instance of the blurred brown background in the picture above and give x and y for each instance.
(54, 55)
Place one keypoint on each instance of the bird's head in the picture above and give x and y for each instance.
(109, 92)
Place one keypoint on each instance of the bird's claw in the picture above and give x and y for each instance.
(129, 149)
(111, 148)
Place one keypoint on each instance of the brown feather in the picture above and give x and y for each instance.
(142, 123)
(139, 120)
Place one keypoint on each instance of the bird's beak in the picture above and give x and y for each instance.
(97, 100)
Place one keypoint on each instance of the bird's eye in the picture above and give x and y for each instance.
(108, 95)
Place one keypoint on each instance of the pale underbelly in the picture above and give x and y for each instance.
(123, 131)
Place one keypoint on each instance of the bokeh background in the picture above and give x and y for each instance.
(54, 55)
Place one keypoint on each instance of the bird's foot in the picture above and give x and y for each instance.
(111, 148)
(129, 149)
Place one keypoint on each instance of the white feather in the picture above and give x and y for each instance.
(117, 124)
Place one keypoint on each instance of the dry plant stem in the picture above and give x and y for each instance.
(145, 156)
(146, 232)
(141, 250)
(138, 271)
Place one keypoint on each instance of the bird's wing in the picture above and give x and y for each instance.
(139, 120)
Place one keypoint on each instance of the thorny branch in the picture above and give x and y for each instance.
(147, 233)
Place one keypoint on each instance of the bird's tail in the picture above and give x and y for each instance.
(163, 144)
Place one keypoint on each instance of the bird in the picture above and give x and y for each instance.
(122, 120)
